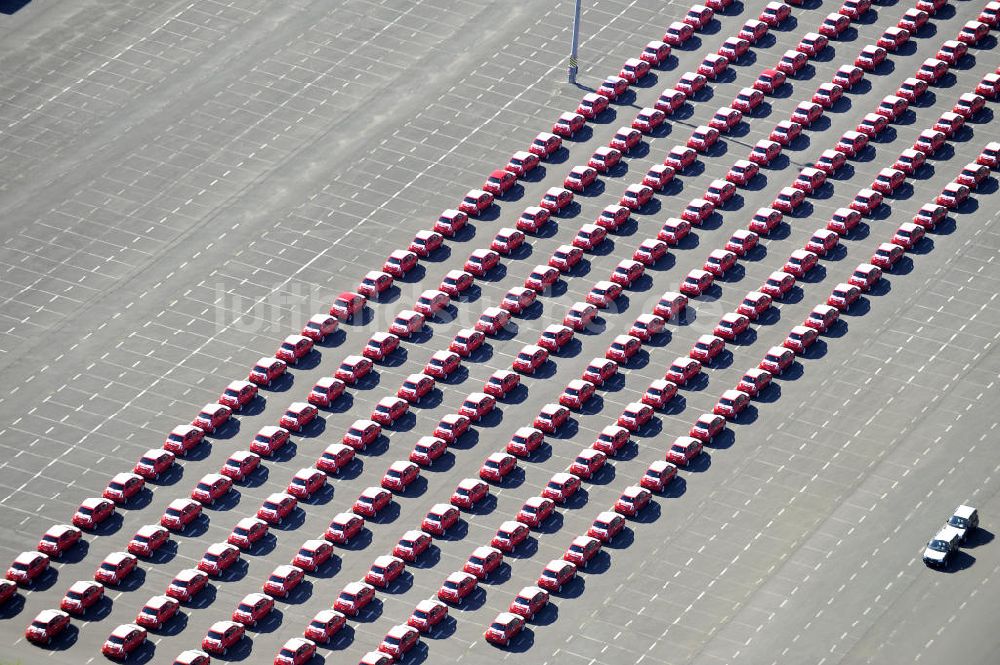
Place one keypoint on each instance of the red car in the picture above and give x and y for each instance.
(343, 527)
(650, 251)
(822, 242)
(843, 220)
(866, 201)
(682, 370)
(580, 315)
(212, 416)
(469, 492)
(535, 511)
(698, 16)
(725, 119)
(518, 299)
(28, 567)
(451, 222)
(785, 132)
(582, 550)
(267, 441)
(522, 163)
(296, 651)
(186, 584)
(747, 99)
(353, 368)
(399, 641)
(442, 364)
(551, 417)
(611, 439)
(276, 507)
(622, 348)
(634, 416)
(481, 261)
(709, 425)
(415, 386)
(80, 596)
(929, 215)
(657, 477)
(870, 57)
(636, 196)
(218, 558)
(354, 598)
(908, 235)
(719, 261)
(179, 513)
(346, 305)
(742, 172)
(680, 157)
(756, 303)
(753, 381)
(222, 636)
(525, 441)
(236, 394)
(834, 24)
(791, 62)
(646, 326)
(800, 262)
(696, 283)
(457, 586)
(185, 437)
(800, 338)
(390, 409)
(157, 611)
(655, 52)
(529, 359)
(577, 393)
(683, 450)
(148, 539)
(565, 257)
(248, 531)
(659, 393)
(677, 33)
(812, 44)
(910, 161)
(211, 487)
(475, 203)
(384, 571)
(734, 47)
(544, 144)
(297, 416)
(731, 326)
(703, 138)
(713, 65)
(605, 158)
(587, 463)
(592, 105)
(580, 177)
(600, 370)
(632, 500)
(556, 574)
(554, 337)
(451, 427)
(123, 640)
(427, 614)
(427, 449)
(769, 81)
(123, 486)
(776, 360)
(764, 151)
(466, 341)
(501, 382)
(568, 124)
(777, 285)
(400, 475)
(371, 501)
(306, 482)
(509, 535)
(648, 119)
(865, 276)
(854, 9)
(483, 561)
(670, 100)
(400, 262)
(752, 30)
(841, 298)
(499, 182)
(541, 278)
(425, 243)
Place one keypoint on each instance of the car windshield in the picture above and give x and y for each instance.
(959, 522)
(677, 448)
(530, 510)
(938, 545)
(114, 639)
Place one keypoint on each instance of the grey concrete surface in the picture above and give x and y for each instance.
(186, 184)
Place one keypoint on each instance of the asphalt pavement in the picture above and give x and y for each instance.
(184, 185)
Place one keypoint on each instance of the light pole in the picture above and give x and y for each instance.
(573, 69)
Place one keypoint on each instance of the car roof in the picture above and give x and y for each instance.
(964, 511)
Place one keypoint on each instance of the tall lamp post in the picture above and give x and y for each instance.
(573, 69)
